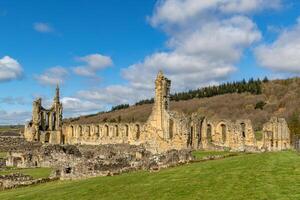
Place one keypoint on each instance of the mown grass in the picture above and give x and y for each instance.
(259, 135)
(3, 154)
(202, 154)
(34, 172)
(253, 176)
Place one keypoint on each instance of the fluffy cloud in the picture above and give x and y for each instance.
(186, 71)
(52, 76)
(203, 48)
(14, 117)
(181, 11)
(92, 63)
(205, 41)
(13, 100)
(42, 27)
(111, 95)
(9, 69)
(73, 106)
(284, 53)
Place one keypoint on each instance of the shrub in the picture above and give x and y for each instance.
(260, 105)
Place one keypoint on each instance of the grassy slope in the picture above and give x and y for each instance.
(254, 176)
(34, 172)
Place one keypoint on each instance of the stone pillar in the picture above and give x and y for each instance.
(50, 120)
(161, 102)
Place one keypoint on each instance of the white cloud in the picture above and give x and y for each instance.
(181, 11)
(185, 71)
(93, 63)
(52, 76)
(42, 27)
(74, 106)
(246, 6)
(284, 53)
(223, 39)
(13, 100)
(206, 40)
(14, 117)
(112, 95)
(203, 48)
(10, 69)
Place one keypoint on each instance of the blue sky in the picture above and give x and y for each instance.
(104, 53)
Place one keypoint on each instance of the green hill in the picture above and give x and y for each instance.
(247, 176)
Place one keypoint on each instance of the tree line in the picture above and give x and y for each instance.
(253, 86)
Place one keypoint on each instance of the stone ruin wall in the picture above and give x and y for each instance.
(46, 124)
(103, 133)
(81, 161)
(165, 130)
(276, 135)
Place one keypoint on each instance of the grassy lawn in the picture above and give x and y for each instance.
(34, 172)
(3, 154)
(259, 135)
(202, 154)
(266, 176)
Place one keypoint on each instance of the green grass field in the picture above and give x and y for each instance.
(202, 154)
(3, 154)
(266, 176)
(34, 172)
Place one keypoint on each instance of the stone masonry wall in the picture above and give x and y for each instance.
(82, 161)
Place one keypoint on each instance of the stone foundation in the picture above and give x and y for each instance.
(18, 180)
(72, 162)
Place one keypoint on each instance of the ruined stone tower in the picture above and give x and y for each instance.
(162, 98)
(159, 117)
(57, 111)
(46, 124)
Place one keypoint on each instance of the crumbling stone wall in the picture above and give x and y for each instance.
(163, 131)
(235, 135)
(104, 133)
(16, 180)
(70, 161)
(276, 135)
(16, 143)
(46, 124)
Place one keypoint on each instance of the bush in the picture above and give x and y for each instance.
(119, 107)
(260, 105)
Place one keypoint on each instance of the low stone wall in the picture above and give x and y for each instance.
(72, 162)
(16, 143)
(17, 180)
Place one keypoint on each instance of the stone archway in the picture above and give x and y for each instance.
(171, 127)
(243, 129)
(209, 133)
(117, 131)
(106, 130)
(63, 139)
(72, 131)
(138, 131)
(126, 130)
(47, 137)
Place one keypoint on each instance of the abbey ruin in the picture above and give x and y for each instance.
(164, 130)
